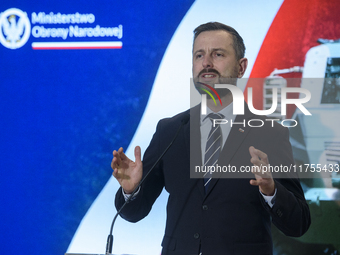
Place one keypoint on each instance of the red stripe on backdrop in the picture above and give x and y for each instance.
(78, 48)
(294, 30)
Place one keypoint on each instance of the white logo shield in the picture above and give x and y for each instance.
(15, 28)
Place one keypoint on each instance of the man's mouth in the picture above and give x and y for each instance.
(208, 75)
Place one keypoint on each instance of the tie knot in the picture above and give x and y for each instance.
(214, 116)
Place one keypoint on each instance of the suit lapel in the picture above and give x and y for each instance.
(193, 144)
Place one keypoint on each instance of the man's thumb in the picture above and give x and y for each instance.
(138, 156)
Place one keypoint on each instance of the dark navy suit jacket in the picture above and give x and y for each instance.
(232, 216)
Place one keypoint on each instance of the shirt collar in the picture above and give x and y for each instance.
(227, 112)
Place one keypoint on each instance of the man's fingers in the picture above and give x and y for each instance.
(260, 161)
(254, 156)
(263, 177)
(114, 160)
(115, 171)
(252, 151)
(122, 154)
(112, 165)
(261, 172)
(118, 157)
(254, 182)
(138, 155)
(121, 161)
(257, 156)
(259, 181)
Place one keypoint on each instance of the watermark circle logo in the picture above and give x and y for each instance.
(15, 28)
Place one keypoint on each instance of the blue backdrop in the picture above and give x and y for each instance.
(64, 111)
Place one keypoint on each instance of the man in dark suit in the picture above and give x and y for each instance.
(215, 215)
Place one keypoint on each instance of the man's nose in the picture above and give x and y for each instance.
(207, 62)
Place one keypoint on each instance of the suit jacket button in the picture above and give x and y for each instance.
(205, 207)
(196, 235)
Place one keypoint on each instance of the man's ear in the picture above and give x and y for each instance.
(243, 63)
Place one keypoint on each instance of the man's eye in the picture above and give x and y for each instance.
(219, 54)
(199, 55)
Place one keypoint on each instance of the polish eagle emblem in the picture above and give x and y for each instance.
(14, 28)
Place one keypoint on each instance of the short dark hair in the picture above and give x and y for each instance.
(238, 43)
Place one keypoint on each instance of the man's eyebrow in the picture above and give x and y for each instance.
(201, 50)
(219, 49)
(213, 50)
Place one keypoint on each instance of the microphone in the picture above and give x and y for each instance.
(109, 243)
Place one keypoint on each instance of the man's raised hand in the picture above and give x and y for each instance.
(263, 179)
(127, 172)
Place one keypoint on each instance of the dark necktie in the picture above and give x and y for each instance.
(213, 147)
